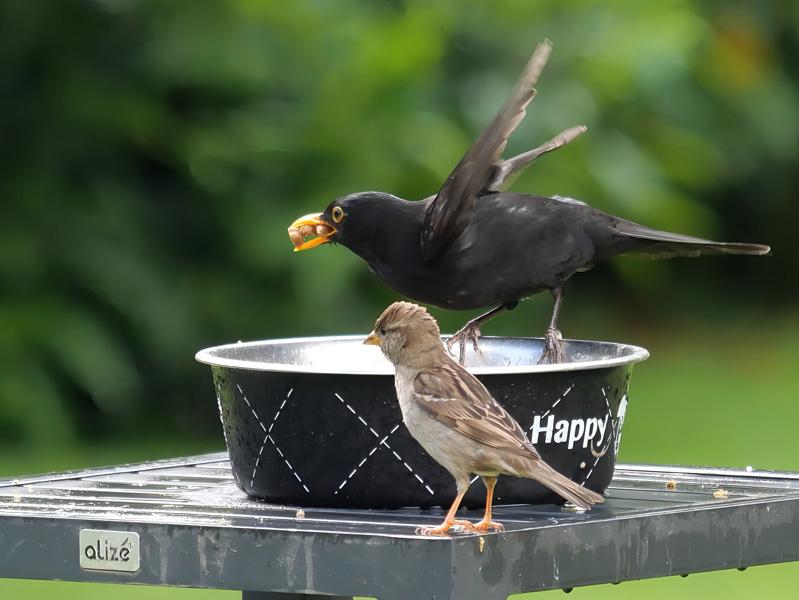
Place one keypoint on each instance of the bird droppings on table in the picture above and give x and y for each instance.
(721, 493)
(671, 484)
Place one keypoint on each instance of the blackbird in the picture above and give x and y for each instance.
(474, 245)
(455, 418)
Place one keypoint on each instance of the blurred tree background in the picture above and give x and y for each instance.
(153, 154)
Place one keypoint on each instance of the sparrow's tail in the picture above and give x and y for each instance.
(573, 492)
(663, 244)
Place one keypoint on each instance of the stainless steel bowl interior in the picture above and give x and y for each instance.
(348, 355)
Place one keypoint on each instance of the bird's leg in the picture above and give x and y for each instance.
(553, 344)
(471, 331)
(449, 520)
(508, 170)
(487, 524)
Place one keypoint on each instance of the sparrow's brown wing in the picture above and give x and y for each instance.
(447, 214)
(454, 397)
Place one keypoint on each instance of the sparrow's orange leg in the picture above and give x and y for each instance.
(449, 521)
(487, 524)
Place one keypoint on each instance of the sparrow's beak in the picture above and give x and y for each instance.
(372, 340)
(312, 227)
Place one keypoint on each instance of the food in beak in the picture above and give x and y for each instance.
(309, 231)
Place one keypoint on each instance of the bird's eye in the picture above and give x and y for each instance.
(337, 214)
(383, 331)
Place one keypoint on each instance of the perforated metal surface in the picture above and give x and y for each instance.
(198, 529)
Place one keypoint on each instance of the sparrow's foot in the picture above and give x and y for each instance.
(553, 348)
(470, 331)
(462, 525)
(454, 526)
(442, 529)
(488, 525)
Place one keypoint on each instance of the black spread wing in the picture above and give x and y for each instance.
(457, 399)
(447, 214)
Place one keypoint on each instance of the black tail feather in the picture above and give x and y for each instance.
(665, 244)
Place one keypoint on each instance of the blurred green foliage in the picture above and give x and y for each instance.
(153, 154)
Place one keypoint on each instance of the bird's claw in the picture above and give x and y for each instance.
(460, 526)
(470, 331)
(456, 526)
(431, 530)
(439, 530)
(484, 526)
(553, 348)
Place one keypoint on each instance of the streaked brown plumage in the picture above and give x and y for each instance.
(454, 417)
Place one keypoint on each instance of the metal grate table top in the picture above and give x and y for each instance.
(196, 528)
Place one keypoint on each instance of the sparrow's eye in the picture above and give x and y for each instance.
(337, 214)
(383, 331)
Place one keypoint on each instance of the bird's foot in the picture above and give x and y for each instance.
(470, 331)
(455, 526)
(553, 348)
(443, 529)
(488, 525)
(462, 525)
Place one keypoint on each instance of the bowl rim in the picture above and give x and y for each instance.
(207, 356)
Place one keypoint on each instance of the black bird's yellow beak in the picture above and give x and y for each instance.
(312, 227)
(372, 340)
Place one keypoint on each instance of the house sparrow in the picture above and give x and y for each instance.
(455, 419)
(473, 245)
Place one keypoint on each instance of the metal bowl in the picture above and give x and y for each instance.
(315, 421)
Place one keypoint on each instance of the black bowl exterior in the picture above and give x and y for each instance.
(338, 440)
